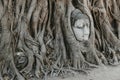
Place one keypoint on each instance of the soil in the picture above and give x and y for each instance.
(101, 73)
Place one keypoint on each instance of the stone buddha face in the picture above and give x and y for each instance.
(20, 60)
(81, 29)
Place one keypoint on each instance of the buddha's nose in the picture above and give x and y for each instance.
(86, 30)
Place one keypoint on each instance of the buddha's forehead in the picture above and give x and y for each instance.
(81, 22)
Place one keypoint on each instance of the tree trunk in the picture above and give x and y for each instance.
(52, 37)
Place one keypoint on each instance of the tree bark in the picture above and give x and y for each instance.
(40, 33)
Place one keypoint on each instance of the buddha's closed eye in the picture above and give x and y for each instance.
(80, 27)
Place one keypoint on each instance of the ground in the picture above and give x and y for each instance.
(101, 73)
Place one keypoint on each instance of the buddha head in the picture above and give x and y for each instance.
(80, 25)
